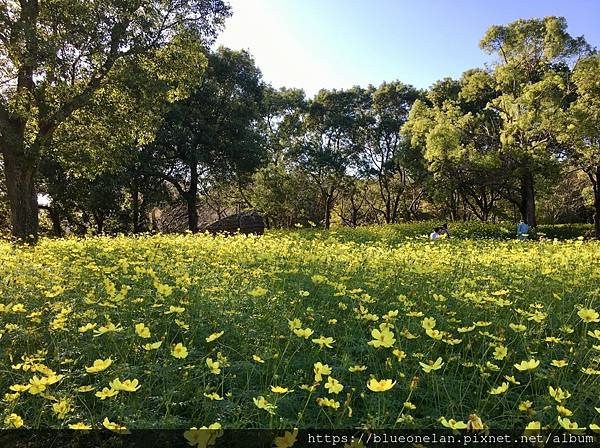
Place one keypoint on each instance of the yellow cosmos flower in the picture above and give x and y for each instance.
(213, 396)
(99, 365)
(323, 341)
(203, 437)
(152, 346)
(558, 394)
(563, 411)
(588, 315)
(524, 406)
(61, 408)
(427, 368)
(213, 366)
(280, 390)
(179, 351)
(333, 386)
(114, 427)
(108, 328)
(500, 389)
(381, 385)
(214, 336)
(126, 386)
(84, 389)
(559, 363)
(474, 422)
(294, 324)
(327, 402)
(527, 365)
(452, 424)
(466, 329)
(262, 403)
(86, 327)
(258, 359)
(142, 330)
(287, 440)
(500, 352)
(303, 333)
(13, 421)
(533, 426)
(428, 323)
(568, 424)
(511, 379)
(106, 393)
(383, 338)
(80, 426)
(357, 368)
(320, 370)
(519, 328)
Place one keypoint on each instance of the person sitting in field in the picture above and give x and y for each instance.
(435, 234)
(443, 231)
(522, 229)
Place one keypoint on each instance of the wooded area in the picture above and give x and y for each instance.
(120, 116)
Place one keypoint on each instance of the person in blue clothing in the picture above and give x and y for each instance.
(522, 230)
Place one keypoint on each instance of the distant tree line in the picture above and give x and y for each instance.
(115, 113)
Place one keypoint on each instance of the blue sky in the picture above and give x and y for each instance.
(315, 44)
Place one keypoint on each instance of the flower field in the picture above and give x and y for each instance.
(300, 329)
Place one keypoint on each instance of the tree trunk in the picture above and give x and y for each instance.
(20, 174)
(135, 193)
(328, 207)
(528, 198)
(55, 218)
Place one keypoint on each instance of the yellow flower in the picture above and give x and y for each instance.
(175, 310)
(152, 346)
(214, 336)
(527, 365)
(481, 323)
(106, 393)
(108, 328)
(294, 324)
(84, 389)
(214, 366)
(327, 402)
(427, 368)
(533, 426)
(126, 386)
(261, 403)
(559, 363)
(518, 327)
(99, 365)
(452, 424)
(258, 359)
(381, 385)
(595, 334)
(13, 421)
(79, 426)
(287, 440)
(303, 333)
(558, 394)
(357, 368)
(142, 330)
(384, 338)
(203, 437)
(86, 327)
(568, 424)
(500, 389)
(213, 396)
(323, 341)
(428, 323)
(525, 405)
(36, 385)
(466, 329)
(474, 422)
(500, 352)
(333, 386)
(280, 390)
(320, 370)
(511, 379)
(179, 351)
(258, 292)
(114, 427)
(563, 411)
(62, 408)
(588, 315)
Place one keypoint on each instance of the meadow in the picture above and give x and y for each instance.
(364, 328)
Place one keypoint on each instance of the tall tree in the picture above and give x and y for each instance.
(56, 55)
(581, 129)
(214, 132)
(529, 51)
